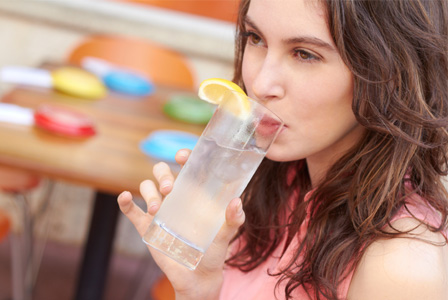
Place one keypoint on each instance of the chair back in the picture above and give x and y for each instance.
(163, 66)
(16, 181)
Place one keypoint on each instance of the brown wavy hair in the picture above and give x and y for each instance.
(398, 54)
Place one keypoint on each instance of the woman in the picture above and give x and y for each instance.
(349, 203)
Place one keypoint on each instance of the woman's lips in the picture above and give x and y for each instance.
(269, 126)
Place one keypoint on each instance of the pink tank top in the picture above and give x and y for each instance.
(259, 285)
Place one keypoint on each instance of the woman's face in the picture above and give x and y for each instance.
(292, 65)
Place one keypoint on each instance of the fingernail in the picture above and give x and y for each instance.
(122, 194)
(152, 205)
(183, 153)
(165, 184)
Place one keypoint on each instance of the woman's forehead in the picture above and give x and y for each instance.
(287, 19)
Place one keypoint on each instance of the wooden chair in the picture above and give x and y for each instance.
(18, 184)
(161, 65)
(16, 181)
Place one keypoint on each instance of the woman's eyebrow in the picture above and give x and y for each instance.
(295, 40)
(310, 40)
(248, 21)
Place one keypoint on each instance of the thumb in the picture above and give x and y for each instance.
(234, 219)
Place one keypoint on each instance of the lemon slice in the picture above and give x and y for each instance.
(213, 90)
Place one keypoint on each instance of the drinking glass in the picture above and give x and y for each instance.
(218, 170)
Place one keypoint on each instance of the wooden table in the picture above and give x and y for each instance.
(109, 162)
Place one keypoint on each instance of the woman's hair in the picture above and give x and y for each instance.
(398, 54)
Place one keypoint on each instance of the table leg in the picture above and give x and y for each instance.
(98, 249)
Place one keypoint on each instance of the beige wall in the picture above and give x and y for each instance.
(32, 31)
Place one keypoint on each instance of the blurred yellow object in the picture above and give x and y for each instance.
(77, 82)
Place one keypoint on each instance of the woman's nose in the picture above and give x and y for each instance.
(267, 84)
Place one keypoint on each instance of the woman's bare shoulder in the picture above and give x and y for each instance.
(412, 267)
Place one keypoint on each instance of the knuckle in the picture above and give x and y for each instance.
(160, 167)
(126, 208)
(146, 184)
(153, 199)
(166, 177)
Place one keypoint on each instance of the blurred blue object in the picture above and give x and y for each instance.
(118, 79)
(163, 145)
(128, 83)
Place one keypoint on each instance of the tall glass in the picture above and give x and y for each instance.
(219, 168)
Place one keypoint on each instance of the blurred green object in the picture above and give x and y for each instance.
(188, 108)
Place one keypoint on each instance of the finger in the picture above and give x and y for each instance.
(164, 176)
(234, 219)
(217, 252)
(151, 196)
(182, 156)
(139, 219)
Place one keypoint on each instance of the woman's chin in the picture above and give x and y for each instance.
(278, 154)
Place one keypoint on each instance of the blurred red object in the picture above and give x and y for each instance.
(225, 10)
(64, 121)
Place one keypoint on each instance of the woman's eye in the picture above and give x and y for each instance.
(305, 55)
(253, 38)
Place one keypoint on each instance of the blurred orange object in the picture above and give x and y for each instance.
(161, 65)
(162, 290)
(5, 224)
(225, 10)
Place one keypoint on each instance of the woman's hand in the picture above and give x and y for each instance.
(204, 282)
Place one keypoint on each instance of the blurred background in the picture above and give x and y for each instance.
(35, 32)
